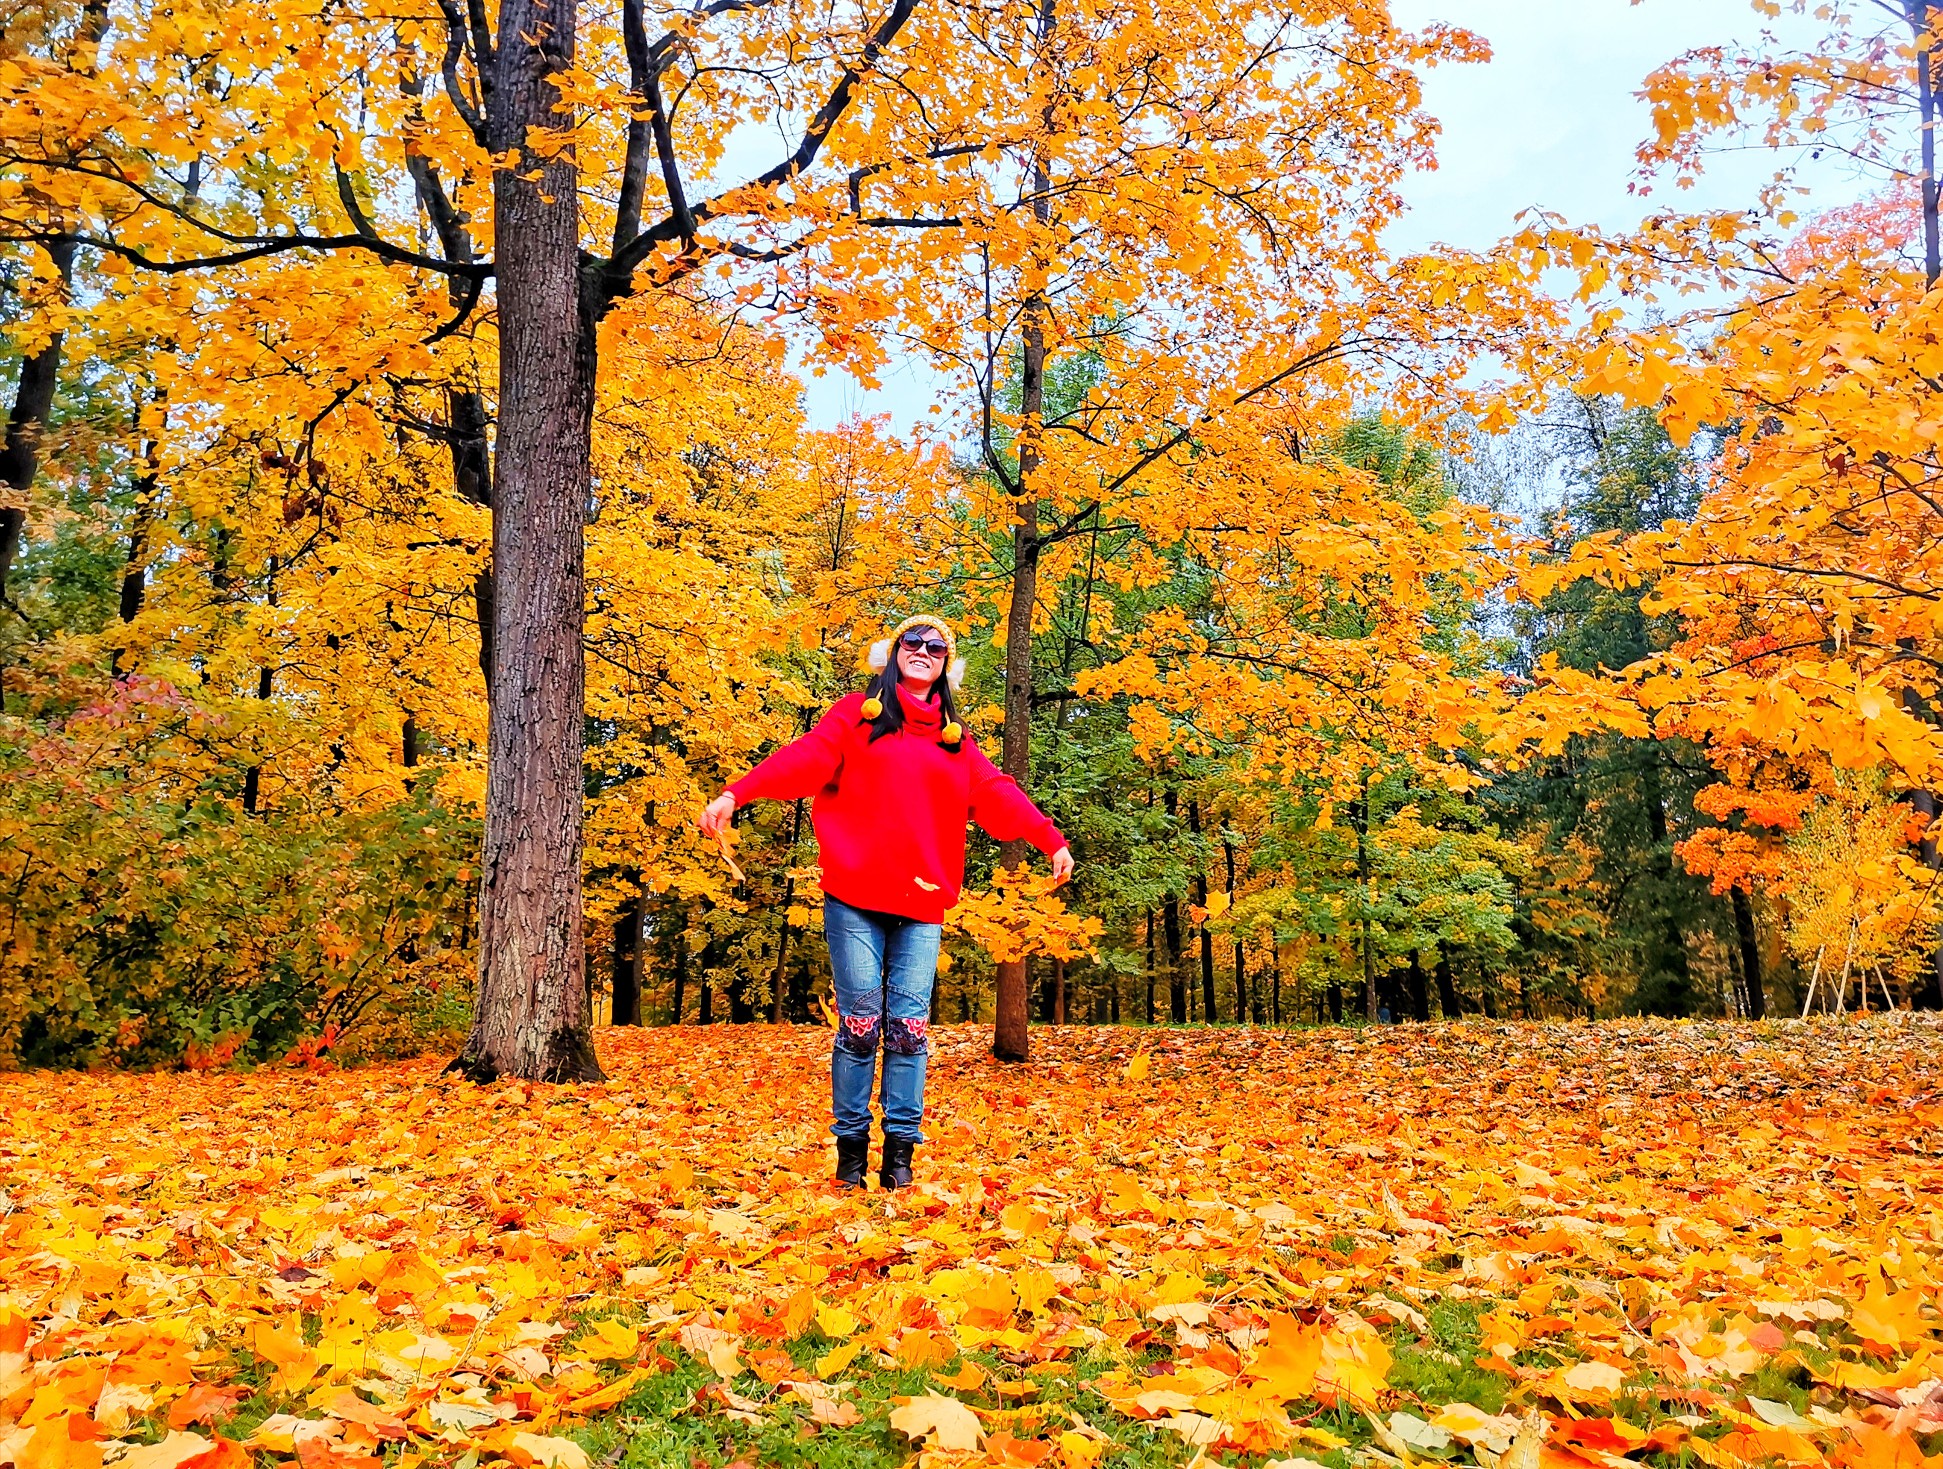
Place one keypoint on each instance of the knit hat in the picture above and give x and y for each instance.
(880, 651)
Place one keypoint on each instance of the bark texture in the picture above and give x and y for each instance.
(26, 424)
(531, 1018)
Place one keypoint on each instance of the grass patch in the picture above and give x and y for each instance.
(1443, 1368)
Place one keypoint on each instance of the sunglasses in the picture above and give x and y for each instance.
(918, 643)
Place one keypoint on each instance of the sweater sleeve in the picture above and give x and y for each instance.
(1005, 811)
(803, 766)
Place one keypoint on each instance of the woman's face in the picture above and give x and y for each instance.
(920, 666)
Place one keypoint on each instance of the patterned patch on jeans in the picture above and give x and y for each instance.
(905, 1037)
(858, 1034)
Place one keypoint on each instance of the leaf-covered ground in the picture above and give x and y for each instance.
(1527, 1247)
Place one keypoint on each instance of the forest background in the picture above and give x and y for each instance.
(1536, 631)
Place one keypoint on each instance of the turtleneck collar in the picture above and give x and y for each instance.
(917, 712)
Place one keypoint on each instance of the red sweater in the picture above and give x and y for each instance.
(890, 816)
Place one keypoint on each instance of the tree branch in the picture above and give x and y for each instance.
(617, 275)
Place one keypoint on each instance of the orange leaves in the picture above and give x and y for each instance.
(1286, 1367)
(1894, 1320)
(282, 1346)
(1023, 914)
(1622, 1224)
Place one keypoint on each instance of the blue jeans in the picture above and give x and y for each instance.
(883, 966)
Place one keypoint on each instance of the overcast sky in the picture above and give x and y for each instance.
(1551, 121)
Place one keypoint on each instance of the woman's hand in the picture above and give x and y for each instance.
(1062, 865)
(715, 816)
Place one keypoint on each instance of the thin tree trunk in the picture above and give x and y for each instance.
(253, 777)
(705, 1009)
(1011, 1040)
(1419, 990)
(1150, 966)
(1170, 916)
(782, 938)
(628, 925)
(465, 406)
(1675, 937)
(134, 576)
(1930, 993)
(1208, 1010)
(1919, 12)
(531, 1018)
(1447, 997)
(1749, 942)
(681, 968)
(27, 423)
(1010, 1028)
(1170, 927)
(1058, 991)
(408, 749)
(1364, 888)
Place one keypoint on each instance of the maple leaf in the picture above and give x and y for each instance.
(942, 1422)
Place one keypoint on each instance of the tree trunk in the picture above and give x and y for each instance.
(1010, 1030)
(1363, 888)
(1929, 994)
(681, 969)
(1010, 1038)
(1919, 22)
(1170, 927)
(1058, 991)
(1241, 969)
(1675, 939)
(1750, 946)
(1447, 997)
(782, 938)
(134, 576)
(1208, 1010)
(253, 777)
(628, 937)
(1150, 966)
(465, 407)
(1335, 1002)
(531, 1018)
(1419, 989)
(27, 424)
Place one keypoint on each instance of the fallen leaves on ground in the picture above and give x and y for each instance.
(1544, 1247)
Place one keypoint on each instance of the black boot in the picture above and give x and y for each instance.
(853, 1157)
(896, 1172)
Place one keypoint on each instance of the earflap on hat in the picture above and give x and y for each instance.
(955, 674)
(879, 657)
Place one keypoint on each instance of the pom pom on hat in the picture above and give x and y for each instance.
(952, 733)
(873, 706)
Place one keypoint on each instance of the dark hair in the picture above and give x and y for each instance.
(890, 719)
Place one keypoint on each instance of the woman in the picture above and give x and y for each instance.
(895, 780)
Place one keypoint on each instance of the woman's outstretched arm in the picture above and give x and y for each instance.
(800, 768)
(1005, 811)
